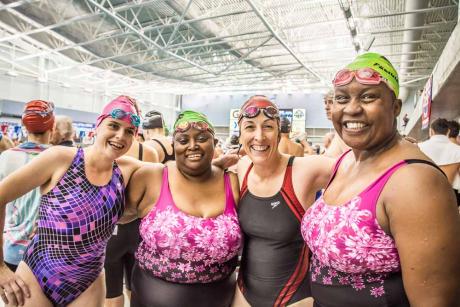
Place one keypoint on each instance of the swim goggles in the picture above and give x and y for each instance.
(49, 109)
(200, 126)
(365, 75)
(120, 114)
(253, 111)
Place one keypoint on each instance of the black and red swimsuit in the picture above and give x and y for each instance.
(275, 257)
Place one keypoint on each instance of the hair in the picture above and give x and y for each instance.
(454, 127)
(234, 139)
(64, 126)
(285, 125)
(440, 126)
(153, 120)
(329, 95)
(141, 137)
(37, 133)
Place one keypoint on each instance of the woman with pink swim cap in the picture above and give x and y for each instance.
(82, 200)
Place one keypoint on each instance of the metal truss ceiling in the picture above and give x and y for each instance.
(215, 45)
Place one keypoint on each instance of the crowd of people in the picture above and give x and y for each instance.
(265, 220)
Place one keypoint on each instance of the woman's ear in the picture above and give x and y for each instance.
(397, 107)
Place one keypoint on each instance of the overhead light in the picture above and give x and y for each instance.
(42, 79)
(88, 90)
(12, 73)
(65, 84)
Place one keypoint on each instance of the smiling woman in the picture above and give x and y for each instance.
(190, 233)
(82, 199)
(276, 189)
(386, 231)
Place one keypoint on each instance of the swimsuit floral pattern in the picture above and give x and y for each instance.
(349, 247)
(182, 248)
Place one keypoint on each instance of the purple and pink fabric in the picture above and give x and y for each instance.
(182, 248)
(75, 221)
(354, 262)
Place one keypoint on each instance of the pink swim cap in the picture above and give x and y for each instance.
(125, 104)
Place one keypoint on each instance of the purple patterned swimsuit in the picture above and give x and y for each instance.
(75, 221)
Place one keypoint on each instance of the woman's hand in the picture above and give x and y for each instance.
(226, 160)
(13, 288)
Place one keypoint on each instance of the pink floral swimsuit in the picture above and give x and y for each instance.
(181, 248)
(354, 262)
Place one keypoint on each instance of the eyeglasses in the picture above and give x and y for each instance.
(364, 76)
(251, 112)
(185, 126)
(120, 114)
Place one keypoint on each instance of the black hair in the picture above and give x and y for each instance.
(454, 128)
(153, 119)
(440, 126)
(234, 139)
(285, 125)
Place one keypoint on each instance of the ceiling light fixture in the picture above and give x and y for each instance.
(12, 73)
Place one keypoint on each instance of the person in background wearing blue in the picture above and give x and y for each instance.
(21, 213)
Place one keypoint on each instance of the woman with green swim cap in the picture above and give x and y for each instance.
(386, 231)
(189, 229)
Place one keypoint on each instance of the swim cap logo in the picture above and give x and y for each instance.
(387, 71)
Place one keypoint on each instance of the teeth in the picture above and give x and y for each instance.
(259, 147)
(194, 156)
(118, 146)
(354, 125)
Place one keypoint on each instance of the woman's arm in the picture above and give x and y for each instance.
(235, 187)
(309, 175)
(150, 154)
(144, 188)
(425, 224)
(36, 173)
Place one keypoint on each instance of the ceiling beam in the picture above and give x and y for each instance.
(426, 10)
(15, 4)
(281, 41)
(428, 26)
(144, 37)
(72, 20)
(118, 33)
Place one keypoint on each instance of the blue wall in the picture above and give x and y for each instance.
(15, 108)
(217, 107)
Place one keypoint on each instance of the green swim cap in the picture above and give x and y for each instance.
(381, 65)
(189, 116)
